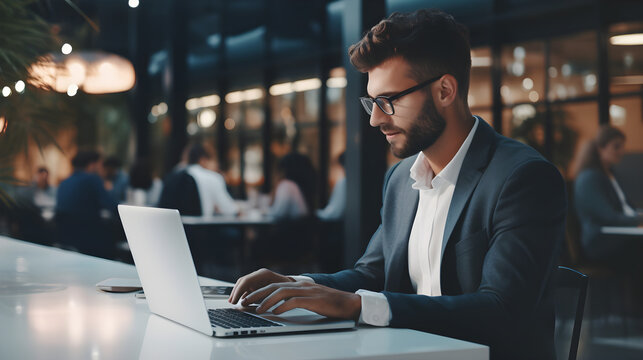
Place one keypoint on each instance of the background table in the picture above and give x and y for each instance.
(50, 309)
(622, 230)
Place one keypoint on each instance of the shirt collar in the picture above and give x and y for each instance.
(423, 175)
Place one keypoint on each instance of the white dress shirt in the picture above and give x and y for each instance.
(425, 241)
(212, 191)
(627, 209)
(337, 203)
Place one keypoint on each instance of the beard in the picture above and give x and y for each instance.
(423, 132)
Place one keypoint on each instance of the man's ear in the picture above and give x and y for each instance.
(448, 90)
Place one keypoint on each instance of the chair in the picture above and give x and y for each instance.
(180, 192)
(567, 278)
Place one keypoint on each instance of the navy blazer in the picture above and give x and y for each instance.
(503, 229)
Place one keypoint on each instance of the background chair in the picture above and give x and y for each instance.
(565, 279)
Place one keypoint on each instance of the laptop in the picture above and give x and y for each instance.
(164, 264)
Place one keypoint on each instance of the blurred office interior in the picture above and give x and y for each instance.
(255, 80)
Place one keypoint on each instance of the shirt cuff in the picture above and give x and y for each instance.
(302, 278)
(376, 310)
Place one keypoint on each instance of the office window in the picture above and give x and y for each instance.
(573, 67)
(523, 77)
(625, 114)
(625, 61)
(480, 91)
(336, 111)
(574, 125)
(233, 121)
(253, 152)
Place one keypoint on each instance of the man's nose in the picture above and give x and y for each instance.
(378, 117)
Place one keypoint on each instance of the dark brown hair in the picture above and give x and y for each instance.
(590, 158)
(431, 41)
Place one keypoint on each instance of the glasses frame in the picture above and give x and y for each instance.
(382, 101)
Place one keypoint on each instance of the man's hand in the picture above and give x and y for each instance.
(305, 295)
(269, 288)
(254, 281)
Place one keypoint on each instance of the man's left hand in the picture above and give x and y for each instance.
(300, 294)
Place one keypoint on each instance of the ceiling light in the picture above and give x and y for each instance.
(66, 49)
(281, 89)
(6, 91)
(132, 3)
(72, 90)
(206, 118)
(336, 82)
(627, 39)
(20, 86)
(480, 61)
(307, 84)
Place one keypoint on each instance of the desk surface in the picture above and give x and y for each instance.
(50, 309)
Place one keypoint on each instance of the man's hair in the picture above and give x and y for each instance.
(196, 153)
(431, 41)
(84, 158)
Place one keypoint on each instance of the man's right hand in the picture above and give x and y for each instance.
(254, 281)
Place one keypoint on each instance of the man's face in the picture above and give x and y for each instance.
(416, 124)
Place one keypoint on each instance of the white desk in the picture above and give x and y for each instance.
(50, 309)
(622, 230)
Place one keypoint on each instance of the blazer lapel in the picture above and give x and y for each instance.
(474, 162)
(399, 279)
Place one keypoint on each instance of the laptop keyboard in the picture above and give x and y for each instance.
(234, 319)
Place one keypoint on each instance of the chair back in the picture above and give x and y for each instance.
(567, 278)
(180, 192)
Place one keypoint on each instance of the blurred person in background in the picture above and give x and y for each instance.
(598, 198)
(211, 185)
(44, 195)
(295, 191)
(337, 202)
(79, 203)
(144, 189)
(116, 180)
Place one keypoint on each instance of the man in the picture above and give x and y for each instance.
(79, 202)
(470, 225)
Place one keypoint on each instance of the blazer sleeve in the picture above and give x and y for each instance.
(525, 232)
(368, 272)
(592, 202)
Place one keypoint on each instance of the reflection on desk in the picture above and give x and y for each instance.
(622, 230)
(50, 309)
(165, 339)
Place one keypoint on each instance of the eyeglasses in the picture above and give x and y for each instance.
(385, 103)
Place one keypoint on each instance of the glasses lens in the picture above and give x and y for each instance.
(385, 105)
(368, 104)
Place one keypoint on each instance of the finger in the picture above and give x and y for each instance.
(235, 290)
(292, 303)
(243, 286)
(260, 294)
(283, 293)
